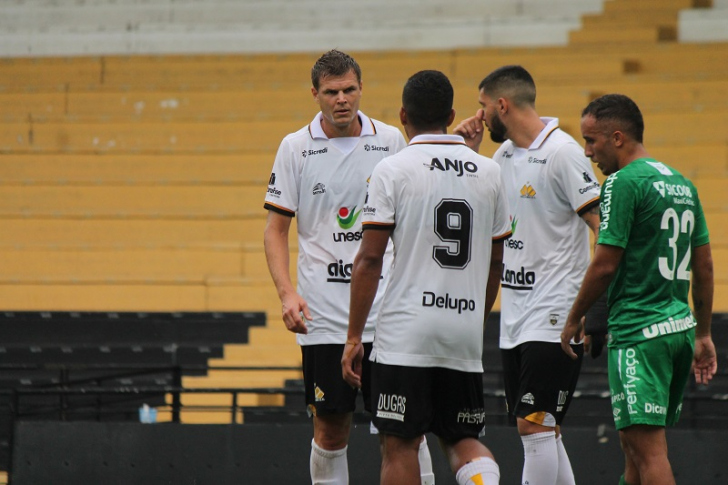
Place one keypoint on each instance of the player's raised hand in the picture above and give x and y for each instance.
(351, 363)
(705, 362)
(295, 313)
(472, 130)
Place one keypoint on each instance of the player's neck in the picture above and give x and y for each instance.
(526, 129)
(353, 129)
(637, 153)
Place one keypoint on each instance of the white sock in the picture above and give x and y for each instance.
(566, 474)
(541, 459)
(480, 471)
(427, 476)
(328, 467)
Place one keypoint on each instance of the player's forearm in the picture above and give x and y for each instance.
(702, 289)
(598, 276)
(364, 283)
(494, 277)
(278, 259)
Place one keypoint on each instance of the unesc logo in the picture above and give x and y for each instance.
(347, 217)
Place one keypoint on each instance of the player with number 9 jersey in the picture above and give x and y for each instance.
(653, 212)
(445, 205)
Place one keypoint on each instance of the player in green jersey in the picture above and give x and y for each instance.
(653, 241)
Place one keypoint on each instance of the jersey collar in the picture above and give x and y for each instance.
(432, 139)
(551, 125)
(316, 131)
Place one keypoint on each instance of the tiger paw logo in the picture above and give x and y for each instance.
(347, 217)
(528, 192)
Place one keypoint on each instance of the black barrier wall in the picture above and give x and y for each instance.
(60, 453)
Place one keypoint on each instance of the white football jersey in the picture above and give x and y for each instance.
(445, 205)
(544, 262)
(326, 188)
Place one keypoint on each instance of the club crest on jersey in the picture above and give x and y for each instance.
(458, 166)
(319, 188)
(554, 318)
(528, 192)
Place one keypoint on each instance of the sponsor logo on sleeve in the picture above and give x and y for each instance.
(605, 204)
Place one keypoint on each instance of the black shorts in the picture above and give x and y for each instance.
(326, 390)
(410, 401)
(540, 380)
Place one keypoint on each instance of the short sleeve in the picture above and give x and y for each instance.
(573, 175)
(501, 218)
(284, 182)
(700, 235)
(617, 208)
(378, 211)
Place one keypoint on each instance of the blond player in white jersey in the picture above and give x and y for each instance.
(321, 174)
(552, 192)
(443, 206)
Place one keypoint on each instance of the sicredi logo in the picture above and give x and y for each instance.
(306, 153)
(374, 148)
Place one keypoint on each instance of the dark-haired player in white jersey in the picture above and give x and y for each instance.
(552, 191)
(444, 208)
(320, 174)
(653, 241)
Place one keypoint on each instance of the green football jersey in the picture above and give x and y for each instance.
(654, 213)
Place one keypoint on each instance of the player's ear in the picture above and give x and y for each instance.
(451, 118)
(618, 138)
(314, 93)
(402, 116)
(502, 105)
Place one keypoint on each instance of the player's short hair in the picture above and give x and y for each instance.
(334, 63)
(427, 99)
(510, 82)
(619, 110)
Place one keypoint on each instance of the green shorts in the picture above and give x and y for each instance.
(647, 380)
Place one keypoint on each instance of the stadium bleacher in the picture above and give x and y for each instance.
(135, 151)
